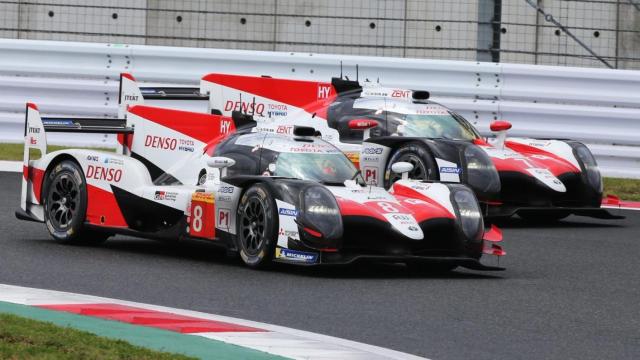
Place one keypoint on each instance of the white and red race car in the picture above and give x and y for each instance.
(269, 197)
(538, 179)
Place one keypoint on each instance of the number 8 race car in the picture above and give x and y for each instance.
(377, 127)
(287, 198)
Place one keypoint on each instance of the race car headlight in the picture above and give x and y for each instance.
(590, 166)
(470, 214)
(321, 212)
(481, 174)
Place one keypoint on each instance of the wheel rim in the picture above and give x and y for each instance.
(252, 226)
(62, 201)
(419, 171)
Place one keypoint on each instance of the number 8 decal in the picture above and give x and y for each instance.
(197, 218)
(387, 207)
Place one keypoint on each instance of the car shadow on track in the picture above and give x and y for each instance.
(571, 222)
(200, 253)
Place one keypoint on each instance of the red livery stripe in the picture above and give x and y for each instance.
(102, 205)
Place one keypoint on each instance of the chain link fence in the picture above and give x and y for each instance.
(590, 33)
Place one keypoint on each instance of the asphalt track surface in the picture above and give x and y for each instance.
(571, 290)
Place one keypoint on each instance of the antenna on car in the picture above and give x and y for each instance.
(340, 69)
(356, 72)
(253, 107)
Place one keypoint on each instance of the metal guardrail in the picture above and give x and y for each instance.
(598, 106)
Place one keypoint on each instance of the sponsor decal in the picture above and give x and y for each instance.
(160, 142)
(284, 129)
(401, 93)
(224, 198)
(313, 148)
(93, 158)
(288, 212)
(372, 151)
(324, 91)
(186, 145)
(288, 233)
(103, 173)
(276, 110)
(33, 141)
(58, 122)
(34, 130)
(202, 197)
(297, 256)
(166, 195)
(226, 189)
(370, 175)
(413, 228)
(450, 170)
(224, 216)
(114, 161)
(131, 97)
(225, 126)
(244, 107)
(432, 110)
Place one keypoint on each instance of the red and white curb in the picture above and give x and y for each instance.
(273, 339)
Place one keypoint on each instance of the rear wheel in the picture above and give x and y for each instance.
(416, 154)
(65, 205)
(257, 225)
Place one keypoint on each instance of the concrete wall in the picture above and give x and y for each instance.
(405, 28)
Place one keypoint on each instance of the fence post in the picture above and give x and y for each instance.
(489, 26)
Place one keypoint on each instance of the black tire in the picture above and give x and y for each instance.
(64, 197)
(257, 227)
(430, 268)
(416, 153)
(202, 177)
(542, 217)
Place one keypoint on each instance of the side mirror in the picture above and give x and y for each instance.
(217, 169)
(220, 162)
(402, 168)
(500, 127)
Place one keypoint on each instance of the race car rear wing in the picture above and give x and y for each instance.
(132, 94)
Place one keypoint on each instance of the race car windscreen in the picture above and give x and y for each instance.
(438, 125)
(329, 169)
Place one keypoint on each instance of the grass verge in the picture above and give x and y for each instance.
(22, 338)
(626, 189)
(15, 151)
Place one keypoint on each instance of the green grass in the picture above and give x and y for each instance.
(15, 151)
(22, 338)
(626, 189)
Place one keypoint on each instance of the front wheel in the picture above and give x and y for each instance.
(416, 154)
(65, 205)
(257, 225)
